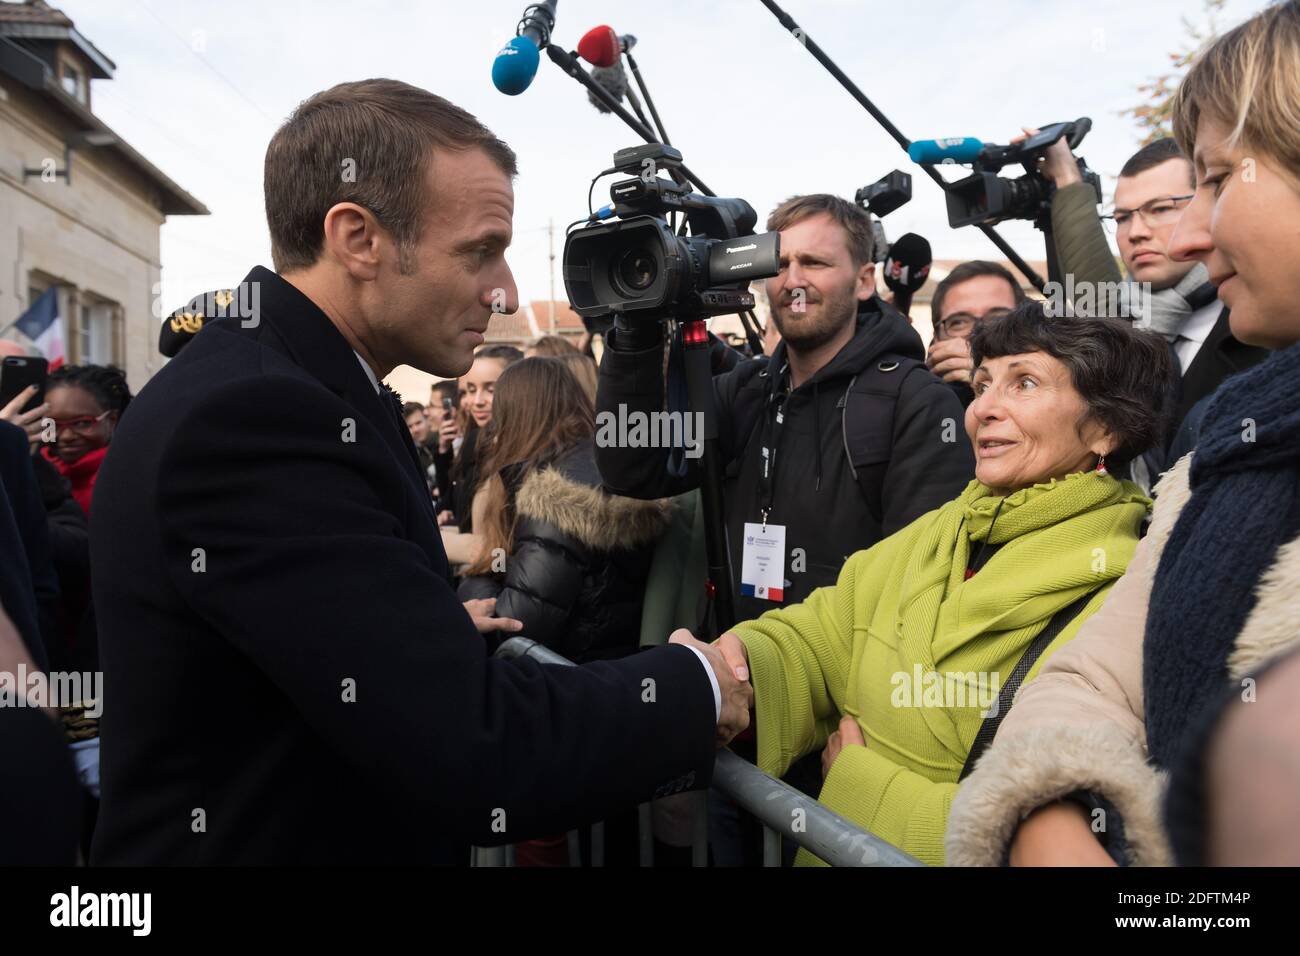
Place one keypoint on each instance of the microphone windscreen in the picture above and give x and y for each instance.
(956, 149)
(515, 66)
(908, 264)
(613, 80)
(599, 46)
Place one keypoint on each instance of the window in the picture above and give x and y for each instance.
(97, 335)
(74, 83)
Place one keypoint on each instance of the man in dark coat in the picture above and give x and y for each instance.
(289, 677)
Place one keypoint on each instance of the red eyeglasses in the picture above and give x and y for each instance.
(82, 425)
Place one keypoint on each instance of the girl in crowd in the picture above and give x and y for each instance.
(85, 402)
(1213, 591)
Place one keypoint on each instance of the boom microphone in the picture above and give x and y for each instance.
(906, 268)
(955, 149)
(613, 80)
(516, 64)
(601, 46)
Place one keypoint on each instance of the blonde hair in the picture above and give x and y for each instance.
(1249, 79)
(583, 368)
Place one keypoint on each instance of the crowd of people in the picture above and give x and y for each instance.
(1028, 596)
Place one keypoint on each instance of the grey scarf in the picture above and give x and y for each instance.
(1166, 311)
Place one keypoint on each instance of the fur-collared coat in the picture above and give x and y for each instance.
(577, 573)
(1079, 726)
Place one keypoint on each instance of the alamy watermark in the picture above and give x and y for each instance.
(57, 689)
(1101, 300)
(637, 429)
(950, 689)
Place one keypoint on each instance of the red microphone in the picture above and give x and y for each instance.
(601, 46)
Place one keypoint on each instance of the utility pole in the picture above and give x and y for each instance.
(550, 237)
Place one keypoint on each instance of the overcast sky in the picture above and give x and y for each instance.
(202, 85)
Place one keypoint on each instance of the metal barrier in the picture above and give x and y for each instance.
(823, 832)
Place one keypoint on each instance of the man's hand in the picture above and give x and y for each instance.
(737, 695)
(1057, 835)
(29, 422)
(445, 518)
(950, 360)
(481, 611)
(1057, 163)
(849, 733)
(448, 432)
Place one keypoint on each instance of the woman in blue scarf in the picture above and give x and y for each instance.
(1076, 774)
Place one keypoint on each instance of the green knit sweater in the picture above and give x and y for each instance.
(916, 653)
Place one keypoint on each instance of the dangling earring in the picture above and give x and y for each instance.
(1101, 466)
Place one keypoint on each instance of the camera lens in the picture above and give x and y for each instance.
(637, 270)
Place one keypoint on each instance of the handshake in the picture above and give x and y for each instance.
(730, 663)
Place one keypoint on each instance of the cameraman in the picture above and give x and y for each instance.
(1153, 188)
(846, 391)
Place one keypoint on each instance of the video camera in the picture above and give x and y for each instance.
(985, 198)
(879, 199)
(636, 265)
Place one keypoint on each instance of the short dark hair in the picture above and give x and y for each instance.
(1154, 154)
(853, 219)
(386, 130)
(964, 273)
(106, 384)
(506, 353)
(450, 388)
(410, 408)
(1123, 374)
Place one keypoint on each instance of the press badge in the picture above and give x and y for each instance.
(762, 563)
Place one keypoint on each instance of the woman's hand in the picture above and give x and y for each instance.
(1057, 835)
(849, 733)
(734, 653)
(29, 422)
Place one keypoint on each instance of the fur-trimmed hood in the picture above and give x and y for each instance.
(562, 496)
(1080, 724)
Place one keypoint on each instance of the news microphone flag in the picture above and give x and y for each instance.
(42, 325)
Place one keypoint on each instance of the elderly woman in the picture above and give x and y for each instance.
(1076, 773)
(915, 644)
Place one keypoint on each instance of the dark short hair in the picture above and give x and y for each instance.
(1123, 374)
(410, 408)
(508, 354)
(852, 218)
(964, 273)
(449, 388)
(1154, 154)
(106, 384)
(367, 142)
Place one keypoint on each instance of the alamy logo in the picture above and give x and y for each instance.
(637, 429)
(951, 689)
(56, 689)
(103, 909)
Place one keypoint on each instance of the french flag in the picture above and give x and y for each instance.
(41, 324)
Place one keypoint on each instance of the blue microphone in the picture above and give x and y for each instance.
(955, 149)
(516, 65)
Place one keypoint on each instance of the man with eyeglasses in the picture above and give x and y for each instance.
(973, 292)
(1154, 186)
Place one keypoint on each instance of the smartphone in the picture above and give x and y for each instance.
(448, 407)
(19, 371)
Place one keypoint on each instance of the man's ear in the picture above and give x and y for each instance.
(866, 282)
(353, 238)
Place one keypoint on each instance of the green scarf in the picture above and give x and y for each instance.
(1059, 540)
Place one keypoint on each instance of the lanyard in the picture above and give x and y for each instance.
(773, 425)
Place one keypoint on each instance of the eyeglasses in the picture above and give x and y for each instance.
(960, 324)
(82, 425)
(1161, 211)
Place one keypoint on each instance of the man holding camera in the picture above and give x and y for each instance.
(836, 440)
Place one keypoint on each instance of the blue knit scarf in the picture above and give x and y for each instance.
(1244, 504)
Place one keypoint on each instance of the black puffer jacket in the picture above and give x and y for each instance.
(576, 578)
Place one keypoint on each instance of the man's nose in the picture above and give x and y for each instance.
(794, 277)
(1138, 228)
(1191, 236)
(503, 296)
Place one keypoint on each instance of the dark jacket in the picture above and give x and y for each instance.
(76, 648)
(289, 676)
(576, 577)
(458, 479)
(29, 588)
(927, 461)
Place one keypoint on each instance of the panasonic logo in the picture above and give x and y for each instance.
(748, 248)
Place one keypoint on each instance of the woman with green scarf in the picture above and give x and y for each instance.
(896, 668)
